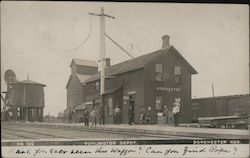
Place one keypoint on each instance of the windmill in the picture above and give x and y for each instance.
(9, 78)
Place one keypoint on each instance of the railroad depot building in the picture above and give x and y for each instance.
(157, 79)
(27, 100)
(221, 106)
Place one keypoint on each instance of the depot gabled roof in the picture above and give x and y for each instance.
(138, 63)
(83, 62)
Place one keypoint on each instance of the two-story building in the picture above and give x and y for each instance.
(157, 79)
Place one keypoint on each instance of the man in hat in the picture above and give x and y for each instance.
(101, 114)
(117, 112)
(86, 117)
(148, 117)
(166, 113)
(176, 110)
(93, 114)
(130, 115)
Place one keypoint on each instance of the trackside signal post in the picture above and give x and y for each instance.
(102, 49)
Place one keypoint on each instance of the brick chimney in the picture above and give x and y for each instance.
(107, 62)
(165, 42)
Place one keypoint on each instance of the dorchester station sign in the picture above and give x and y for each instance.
(168, 89)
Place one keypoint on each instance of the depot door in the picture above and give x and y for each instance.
(132, 106)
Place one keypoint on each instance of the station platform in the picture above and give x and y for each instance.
(157, 129)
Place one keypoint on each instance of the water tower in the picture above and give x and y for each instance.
(24, 100)
(28, 98)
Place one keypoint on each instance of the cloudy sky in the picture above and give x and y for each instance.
(40, 39)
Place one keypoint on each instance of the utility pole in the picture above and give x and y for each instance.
(213, 99)
(213, 90)
(102, 48)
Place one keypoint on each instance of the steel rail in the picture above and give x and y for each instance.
(130, 133)
(38, 133)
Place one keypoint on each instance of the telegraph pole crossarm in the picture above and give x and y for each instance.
(95, 14)
(112, 17)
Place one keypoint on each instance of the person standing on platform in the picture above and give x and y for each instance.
(130, 115)
(101, 114)
(73, 116)
(149, 115)
(11, 116)
(119, 115)
(116, 115)
(70, 117)
(117, 111)
(86, 117)
(142, 116)
(171, 117)
(93, 116)
(176, 110)
(166, 113)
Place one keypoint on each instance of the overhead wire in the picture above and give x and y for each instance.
(80, 45)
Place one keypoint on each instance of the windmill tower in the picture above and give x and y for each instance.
(9, 78)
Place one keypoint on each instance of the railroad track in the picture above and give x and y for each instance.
(37, 135)
(29, 134)
(127, 133)
(16, 135)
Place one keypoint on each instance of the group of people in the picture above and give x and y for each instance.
(117, 115)
(92, 116)
(171, 115)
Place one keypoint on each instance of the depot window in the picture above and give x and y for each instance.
(177, 70)
(177, 74)
(158, 68)
(158, 72)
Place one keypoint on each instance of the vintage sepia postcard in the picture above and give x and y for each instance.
(109, 79)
